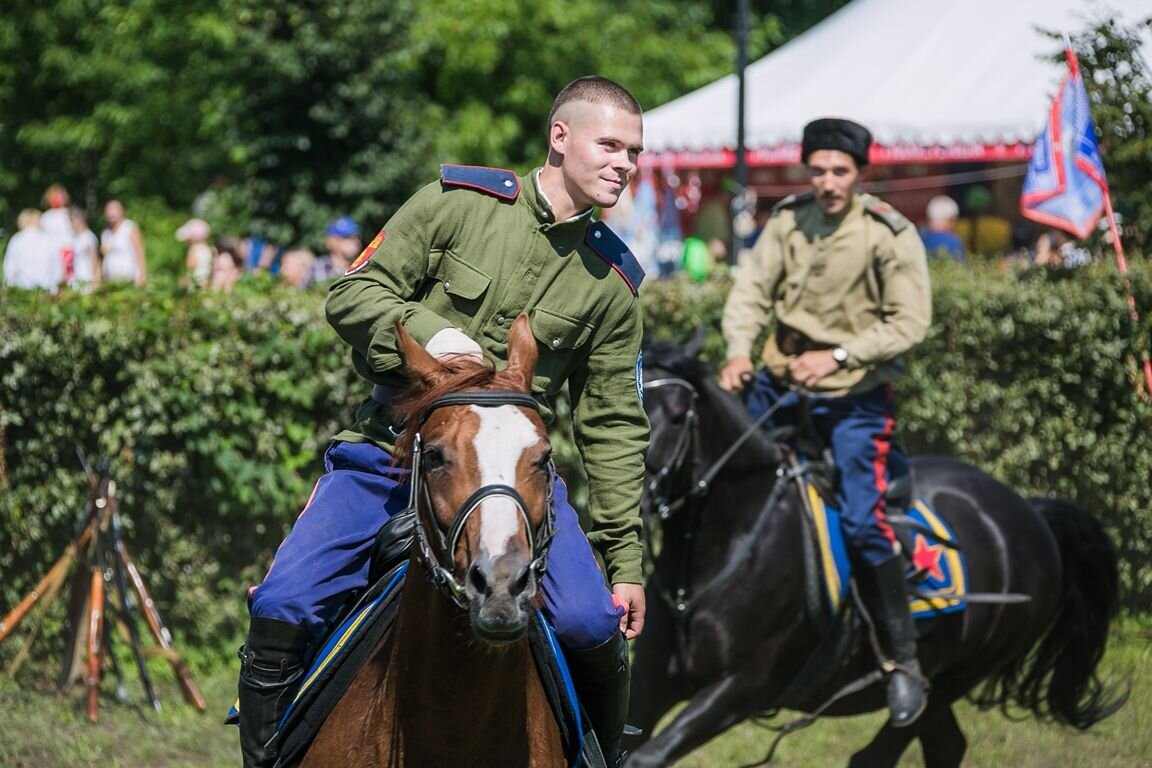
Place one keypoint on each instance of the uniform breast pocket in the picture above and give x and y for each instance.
(562, 338)
(456, 283)
(558, 331)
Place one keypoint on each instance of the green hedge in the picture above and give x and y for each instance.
(214, 411)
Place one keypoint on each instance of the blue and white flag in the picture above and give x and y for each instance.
(1065, 186)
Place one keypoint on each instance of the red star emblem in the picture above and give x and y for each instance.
(926, 558)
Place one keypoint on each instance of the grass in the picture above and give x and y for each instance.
(39, 727)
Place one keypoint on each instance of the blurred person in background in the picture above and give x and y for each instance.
(56, 225)
(122, 247)
(85, 251)
(1057, 249)
(296, 267)
(342, 243)
(227, 266)
(939, 235)
(981, 229)
(198, 260)
(31, 259)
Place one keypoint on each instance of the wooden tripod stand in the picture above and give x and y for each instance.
(104, 570)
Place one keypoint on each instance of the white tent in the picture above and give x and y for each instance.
(935, 80)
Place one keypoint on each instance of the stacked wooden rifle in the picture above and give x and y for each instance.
(107, 590)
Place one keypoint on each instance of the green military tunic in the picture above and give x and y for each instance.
(459, 257)
(858, 280)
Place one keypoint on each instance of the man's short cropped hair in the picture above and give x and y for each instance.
(595, 90)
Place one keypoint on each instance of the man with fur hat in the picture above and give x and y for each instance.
(846, 278)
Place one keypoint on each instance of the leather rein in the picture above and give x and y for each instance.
(686, 452)
(437, 555)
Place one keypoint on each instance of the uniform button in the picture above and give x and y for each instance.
(555, 343)
(447, 284)
(500, 320)
(596, 234)
(507, 182)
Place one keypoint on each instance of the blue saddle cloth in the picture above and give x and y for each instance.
(349, 645)
(937, 570)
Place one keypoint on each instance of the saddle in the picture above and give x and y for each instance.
(935, 568)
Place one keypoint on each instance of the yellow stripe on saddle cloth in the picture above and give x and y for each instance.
(937, 574)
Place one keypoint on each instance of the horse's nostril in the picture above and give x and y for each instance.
(522, 583)
(478, 580)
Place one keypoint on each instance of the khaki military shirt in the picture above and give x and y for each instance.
(857, 281)
(463, 258)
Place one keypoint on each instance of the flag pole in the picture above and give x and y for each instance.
(1117, 246)
(1122, 267)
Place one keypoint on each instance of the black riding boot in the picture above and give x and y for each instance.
(601, 678)
(886, 597)
(271, 666)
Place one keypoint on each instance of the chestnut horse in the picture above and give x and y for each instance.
(454, 681)
(728, 625)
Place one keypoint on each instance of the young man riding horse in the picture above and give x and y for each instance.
(846, 277)
(456, 265)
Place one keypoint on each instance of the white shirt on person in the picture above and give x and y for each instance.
(120, 255)
(32, 261)
(86, 255)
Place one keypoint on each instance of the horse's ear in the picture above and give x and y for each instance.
(695, 344)
(522, 353)
(421, 367)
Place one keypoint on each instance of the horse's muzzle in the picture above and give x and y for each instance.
(500, 597)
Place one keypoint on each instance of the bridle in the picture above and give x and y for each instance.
(687, 451)
(438, 559)
(687, 442)
(687, 448)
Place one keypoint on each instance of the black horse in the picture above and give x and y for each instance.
(730, 627)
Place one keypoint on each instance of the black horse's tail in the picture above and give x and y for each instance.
(1058, 679)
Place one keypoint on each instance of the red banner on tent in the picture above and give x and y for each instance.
(789, 154)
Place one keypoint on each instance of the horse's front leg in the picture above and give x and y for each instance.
(710, 712)
(941, 740)
(657, 683)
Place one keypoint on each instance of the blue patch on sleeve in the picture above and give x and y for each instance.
(497, 182)
(608, 246)
(640, 377)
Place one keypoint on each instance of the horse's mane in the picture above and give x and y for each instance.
(463, 374)
(672, 357)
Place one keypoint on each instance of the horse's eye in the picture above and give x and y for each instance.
(432, 457)
(544, 463)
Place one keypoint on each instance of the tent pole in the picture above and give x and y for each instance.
(741, 170)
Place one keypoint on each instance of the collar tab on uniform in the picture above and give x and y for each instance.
(886, 213)
(794, 200)
(608, 246)
(497, 182)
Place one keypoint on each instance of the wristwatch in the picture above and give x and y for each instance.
(840, 355)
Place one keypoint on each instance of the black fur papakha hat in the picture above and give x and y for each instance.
(836, 133)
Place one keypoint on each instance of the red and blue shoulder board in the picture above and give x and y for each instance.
(497, 182)
(608, 246)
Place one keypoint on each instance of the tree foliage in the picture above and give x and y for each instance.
(275, 117)
(115, 97)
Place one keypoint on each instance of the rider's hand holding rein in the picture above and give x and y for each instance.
(736, 373)
(809, 368)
